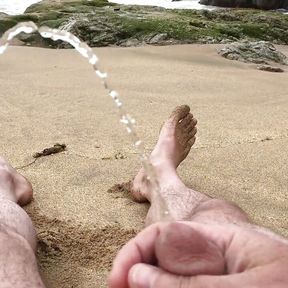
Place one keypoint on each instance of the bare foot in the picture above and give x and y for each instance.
(14, 186)
(174, 143)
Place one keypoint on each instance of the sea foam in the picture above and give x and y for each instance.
(15, 7)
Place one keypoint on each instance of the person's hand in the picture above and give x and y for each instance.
(194, 255)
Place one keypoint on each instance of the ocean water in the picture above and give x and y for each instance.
(14, 7)
(190, 4)
(169, 4)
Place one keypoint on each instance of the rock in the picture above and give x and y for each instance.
(98, 24)
(261, 4)
(269, 4)
(158, 38)
(269, 68)
(130, 43)
(259, 52)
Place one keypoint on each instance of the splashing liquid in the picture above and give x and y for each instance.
(129, 122)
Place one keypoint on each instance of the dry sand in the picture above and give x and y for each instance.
(50, 96)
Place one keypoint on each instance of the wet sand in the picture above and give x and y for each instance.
(50, 96)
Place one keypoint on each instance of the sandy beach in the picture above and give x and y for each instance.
(52, 96)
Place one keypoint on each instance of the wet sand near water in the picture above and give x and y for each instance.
(82, 218)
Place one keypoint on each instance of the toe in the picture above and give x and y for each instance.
(179, 113)
(192, 133)
(191, 125)
(194, 122)
(189, 120)
(186, 122)
(192, 141)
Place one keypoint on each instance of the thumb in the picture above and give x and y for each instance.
(147, 276)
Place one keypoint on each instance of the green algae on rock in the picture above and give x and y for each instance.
(100, 23)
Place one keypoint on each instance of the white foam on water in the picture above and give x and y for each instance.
(16, 7)
(168, 4)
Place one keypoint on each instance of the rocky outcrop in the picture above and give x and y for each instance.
(261, 4)
(100, 23)
(259, 52)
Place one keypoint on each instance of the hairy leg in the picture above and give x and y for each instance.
(207, 249)
(18, 265)
(176, 138)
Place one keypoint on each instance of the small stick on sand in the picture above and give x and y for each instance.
(57, 148)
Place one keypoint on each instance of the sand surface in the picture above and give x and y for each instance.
(50, 96)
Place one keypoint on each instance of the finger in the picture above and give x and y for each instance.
(147, 276)
(138, 250)
(183, 250)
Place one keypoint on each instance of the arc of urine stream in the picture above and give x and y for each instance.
(129, 122)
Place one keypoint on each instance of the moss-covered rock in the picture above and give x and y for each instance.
(259, 52)
(101, 23)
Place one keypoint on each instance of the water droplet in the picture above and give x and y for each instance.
(93, 60)
(3, 48)
(118, 102)
(113, 94)
(124, 120)
(138, 143)
(101, 74)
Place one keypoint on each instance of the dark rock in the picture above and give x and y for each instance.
(260, 52)
(269, 68)
(269, 4)
(229, 3)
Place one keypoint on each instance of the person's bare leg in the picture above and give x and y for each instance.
(18, 265)
(175, 141)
